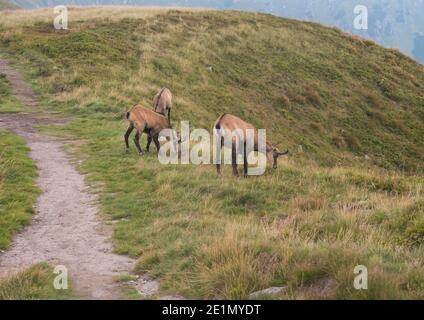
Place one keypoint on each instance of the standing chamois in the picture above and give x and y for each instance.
(228, 124)
(162, 102)
(147, 121)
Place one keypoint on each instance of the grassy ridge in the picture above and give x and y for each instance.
(324, 211)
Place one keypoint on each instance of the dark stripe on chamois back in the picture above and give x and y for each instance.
(127, 115)
(160, 96)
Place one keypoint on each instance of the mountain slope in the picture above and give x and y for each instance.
(336, 96)
(392, 23)
(338, 201)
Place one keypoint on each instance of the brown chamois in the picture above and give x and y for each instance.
(162, 102)
(227, 124)
(147, 121)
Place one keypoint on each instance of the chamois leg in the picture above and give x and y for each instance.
(245, 164)
(156, 141)
(137, 143)
(149, 142)
(218, 157)
(234, 159)
(127, 135)
(217, 154)
(169, 115)
(218, 169)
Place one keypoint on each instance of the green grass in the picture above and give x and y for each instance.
(35, 283)
(18, 191)
(289, 77)
(307, 225)
(8, 103)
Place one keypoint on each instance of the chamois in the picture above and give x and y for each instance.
(226, 125)
(147, 121)
(162, 102)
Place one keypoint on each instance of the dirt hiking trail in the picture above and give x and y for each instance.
(65, 229)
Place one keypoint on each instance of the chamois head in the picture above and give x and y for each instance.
(273, 154)
(175, 138)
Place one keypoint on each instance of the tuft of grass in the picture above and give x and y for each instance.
(285, 101)
(339, 142)
(35, 283)
(308, 203)
(352, 141)
(8, 103)
(232, 268)
(312, 97)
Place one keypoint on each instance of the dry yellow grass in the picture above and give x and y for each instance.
(21, 17)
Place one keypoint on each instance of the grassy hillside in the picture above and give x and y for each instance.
(392, 23)
(335, 95)
(5, 4)
(351, 195)
(8, 103)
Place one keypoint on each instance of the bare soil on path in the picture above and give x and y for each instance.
(66, 229)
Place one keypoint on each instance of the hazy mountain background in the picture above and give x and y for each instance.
(4, 4)
(392, 23)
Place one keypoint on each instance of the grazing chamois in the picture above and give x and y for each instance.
(162, 102)
(147, 121)
(228, 124)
